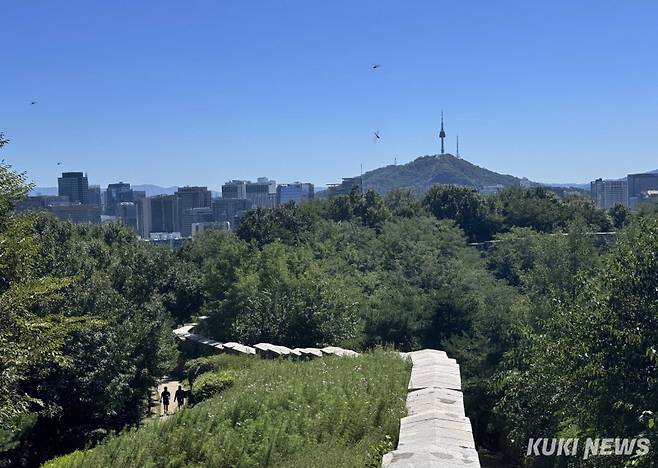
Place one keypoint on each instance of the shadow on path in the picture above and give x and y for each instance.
(155, 405)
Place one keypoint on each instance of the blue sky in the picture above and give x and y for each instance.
(197, 92)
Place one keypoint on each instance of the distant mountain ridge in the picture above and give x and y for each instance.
(152, 190)
(426, 171)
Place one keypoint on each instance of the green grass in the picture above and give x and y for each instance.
(330, 412)
(195, 367)
(211, 383)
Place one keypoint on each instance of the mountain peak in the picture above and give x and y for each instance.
(426, 171)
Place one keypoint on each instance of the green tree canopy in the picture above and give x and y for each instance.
(465, 206)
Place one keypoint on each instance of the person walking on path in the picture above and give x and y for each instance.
(164, 397)
(179, 397)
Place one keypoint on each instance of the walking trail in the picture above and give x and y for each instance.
(156, 405)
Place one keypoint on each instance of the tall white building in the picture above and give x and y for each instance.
(608, 193)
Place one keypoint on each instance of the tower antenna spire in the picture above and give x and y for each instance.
(442, 134)
(361, 179)
(457, 145)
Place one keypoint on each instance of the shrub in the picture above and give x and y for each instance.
(211, 383)
(218, 362)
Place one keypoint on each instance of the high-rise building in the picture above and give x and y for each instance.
(164, 213)
(295, 192)
(157, 214)
(192, 216)
(74, 185)
(115, 194)
(95, 195)
(262, 192)
(144, 217)
(77, 213)
(638, 183)
(230, 210)
(188, 198)
(127, 212)
(608, 193)
(235, 189)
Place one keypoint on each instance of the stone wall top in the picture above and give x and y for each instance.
(436, 433)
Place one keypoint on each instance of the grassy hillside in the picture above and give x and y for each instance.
(426, 171)
(329, 412)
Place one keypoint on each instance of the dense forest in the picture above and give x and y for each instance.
(555, 327)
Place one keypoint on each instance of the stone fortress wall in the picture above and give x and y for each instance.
(436, 432)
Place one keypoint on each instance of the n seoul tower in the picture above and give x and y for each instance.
(442, 134)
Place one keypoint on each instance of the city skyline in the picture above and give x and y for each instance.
(188, 211)
(216, 188)
(184, 95)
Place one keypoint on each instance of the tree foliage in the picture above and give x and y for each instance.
(463, 205)
(277, 294)
(545, 307)
(85, 328)
(595, 357)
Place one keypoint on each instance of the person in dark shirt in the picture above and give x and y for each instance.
(179, 396)
(164, 397)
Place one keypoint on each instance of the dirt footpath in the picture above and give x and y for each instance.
(156, 405)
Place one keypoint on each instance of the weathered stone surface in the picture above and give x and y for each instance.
(431, 457)
(431, 368)
(310, 352)
(272, 351)
(436, 379)
(436, 432)
(447, 419)
(200, 342)
(184, 333)
(440, 432)
(185, 330)
(427, 352)
(238, 348)
(336, 351)
(440, 399)
(206, 341)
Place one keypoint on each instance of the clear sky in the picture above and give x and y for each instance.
(197, 92)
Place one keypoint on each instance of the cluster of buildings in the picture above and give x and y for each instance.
(631, 192)
(345, 187)
(191, 209)
(164, 218)
(76, 200)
